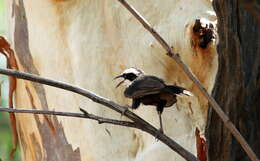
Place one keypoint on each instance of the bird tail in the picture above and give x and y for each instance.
(178, 90)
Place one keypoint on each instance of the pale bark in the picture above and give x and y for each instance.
(87, 43)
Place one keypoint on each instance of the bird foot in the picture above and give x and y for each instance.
(160, 131)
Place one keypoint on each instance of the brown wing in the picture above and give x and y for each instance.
(143, 86)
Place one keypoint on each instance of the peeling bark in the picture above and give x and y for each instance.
(21, 45)
(53, 138)
(6, 50)
(237, 87)
(87, 43)
(203, 35)
(201, 146)
(56, 146)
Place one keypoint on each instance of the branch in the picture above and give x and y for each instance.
(140, 123)
(72, 114)
(202, 89)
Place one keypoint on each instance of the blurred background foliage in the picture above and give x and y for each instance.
(5, 131)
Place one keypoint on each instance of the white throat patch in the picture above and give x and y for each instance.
(127, 83)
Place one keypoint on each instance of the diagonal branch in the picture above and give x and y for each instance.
(211, 100)
(140, 123)
(85, 115)
(98, 99)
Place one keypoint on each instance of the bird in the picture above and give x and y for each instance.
(149, 90)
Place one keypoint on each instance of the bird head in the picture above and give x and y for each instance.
(129, 75)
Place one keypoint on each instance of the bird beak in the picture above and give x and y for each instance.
(119, 76)
(120, 83)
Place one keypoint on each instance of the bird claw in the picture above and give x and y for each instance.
(156, 136)
(161, 130)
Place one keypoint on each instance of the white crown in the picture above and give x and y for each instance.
(134, 71)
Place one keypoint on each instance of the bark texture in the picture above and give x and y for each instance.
(88, 43)
(237, 87)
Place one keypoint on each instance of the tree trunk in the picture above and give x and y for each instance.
(88, 43)
(237, 87)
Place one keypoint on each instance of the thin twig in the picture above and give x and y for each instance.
(72, 114)
(211, 100)
(140, 123)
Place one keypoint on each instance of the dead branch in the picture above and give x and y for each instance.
(85, 115)
(231, 127)
(139, 122)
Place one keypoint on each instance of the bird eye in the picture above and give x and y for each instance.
(130, 76)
